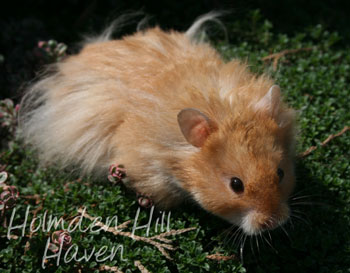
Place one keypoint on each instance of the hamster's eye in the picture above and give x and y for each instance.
(237, 185)
(280, 174)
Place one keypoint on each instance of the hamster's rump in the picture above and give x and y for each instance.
(118, 101)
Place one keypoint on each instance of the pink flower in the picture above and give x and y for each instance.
(3, 178)
(9, 197)
(41, 44)
(145, 202)
(61, 237)
(17, 108)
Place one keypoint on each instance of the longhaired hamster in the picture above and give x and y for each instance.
(182, 121)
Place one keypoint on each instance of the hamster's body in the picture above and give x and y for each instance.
(118, 102)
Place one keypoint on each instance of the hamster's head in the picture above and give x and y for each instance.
(243, 170)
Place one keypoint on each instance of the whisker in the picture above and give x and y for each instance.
(290, 221)
(298, 193)
(242, 247)
(268, 232)
(308, 203)
(301, 219)
(237, 237)
(285, 231)
(299, 212)
(257, 242)
(228, 233)
(267, 241)
(301, 197)
(251, 245)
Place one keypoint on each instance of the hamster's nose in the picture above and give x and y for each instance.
(255, 222)
(264, 222)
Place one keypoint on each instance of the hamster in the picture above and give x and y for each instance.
(183, 122)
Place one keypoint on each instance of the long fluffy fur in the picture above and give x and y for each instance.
(69, 130)
(117, 102)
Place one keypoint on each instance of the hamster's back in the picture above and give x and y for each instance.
(144, 60)
(119, 97)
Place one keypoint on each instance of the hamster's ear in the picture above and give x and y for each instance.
(195, 126)
(270, 102)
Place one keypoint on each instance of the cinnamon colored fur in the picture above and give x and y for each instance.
(118, 101)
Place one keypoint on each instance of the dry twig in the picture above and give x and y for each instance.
(35, 197)
(13, 237)
(110, 268)
(277, 56)
(140, 266)
(220, 257)
(162, 247)
(124, 225)
(325, 142)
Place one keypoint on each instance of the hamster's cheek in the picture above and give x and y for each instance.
(288, 183)
(234, 218)
(288, 186)
(233, 213)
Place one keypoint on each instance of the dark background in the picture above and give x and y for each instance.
(24, 23)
